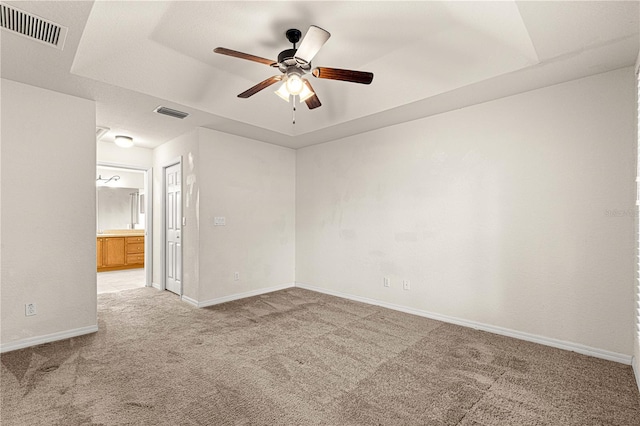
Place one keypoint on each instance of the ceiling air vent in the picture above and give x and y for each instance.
(100, 131)
(171, 112)
(32, 26)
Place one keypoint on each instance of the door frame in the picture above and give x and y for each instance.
(163, 229)
(148, 215)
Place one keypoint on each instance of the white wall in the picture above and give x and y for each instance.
(186, 148)
(504, 213)
(135, 156)
(636, 307)
(128, 179)
(252, 185)
(48, 225)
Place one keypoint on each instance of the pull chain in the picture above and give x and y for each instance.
(294, 110)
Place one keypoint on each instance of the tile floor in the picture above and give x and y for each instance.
(112, 281)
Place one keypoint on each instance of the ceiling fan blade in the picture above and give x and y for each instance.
(262, 85)
(313, 101)
(361, 77)
(236, 54)
(313, 40)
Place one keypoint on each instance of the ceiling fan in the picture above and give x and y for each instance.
(294, 64)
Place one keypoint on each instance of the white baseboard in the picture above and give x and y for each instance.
(636, 373)
(237, 296)
(156, 285)
(33, 341)
(189, 300)
(555, 343)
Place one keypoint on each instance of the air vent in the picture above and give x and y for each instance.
(31, 26)
(100, 132)
(171, 112)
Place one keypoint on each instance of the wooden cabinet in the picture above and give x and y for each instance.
(135, 251)
(119, 252)
(99, 255)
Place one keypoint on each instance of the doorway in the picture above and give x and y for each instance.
(123, 227)
(172, 227)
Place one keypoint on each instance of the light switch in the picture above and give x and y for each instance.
(219, 221)
(184, 221)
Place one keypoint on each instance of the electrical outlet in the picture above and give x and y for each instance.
(387, 282)
(406, 284)
(236, 276)
(30, 309)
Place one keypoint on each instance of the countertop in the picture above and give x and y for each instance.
(120, 234)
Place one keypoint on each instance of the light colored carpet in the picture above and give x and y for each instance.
(295, 357)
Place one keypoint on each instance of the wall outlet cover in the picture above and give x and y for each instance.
(30, 309)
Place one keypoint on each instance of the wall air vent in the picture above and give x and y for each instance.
(171, 112)
(31, 26)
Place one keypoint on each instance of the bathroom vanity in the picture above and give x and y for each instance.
(120, 250)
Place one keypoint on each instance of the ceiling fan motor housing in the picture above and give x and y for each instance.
(286, 59)
(287, 62)
(287, 54)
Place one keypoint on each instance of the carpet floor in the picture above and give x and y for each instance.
(296, 357)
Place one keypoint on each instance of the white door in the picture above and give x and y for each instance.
(173, 219)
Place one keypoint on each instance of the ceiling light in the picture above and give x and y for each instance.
(124, 141)
(305, 93)
(294, 84)
(282, 92)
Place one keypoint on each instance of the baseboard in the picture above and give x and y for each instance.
(636, 373)
(156, 286)
(547, 341)
(237, 296)
(33, 341)
(189, 300)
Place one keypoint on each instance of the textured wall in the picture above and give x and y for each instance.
(185, 147)
(511, 213)
(251, 184)
(135, 156)
(636, 328)
(48, 212)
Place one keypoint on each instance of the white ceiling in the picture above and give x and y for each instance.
(427, 57)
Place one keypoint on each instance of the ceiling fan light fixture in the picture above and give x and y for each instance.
(124, 141)
(294, 84)
(282, 92)
(305, 93)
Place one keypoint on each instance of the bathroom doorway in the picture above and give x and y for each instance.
(123, 227)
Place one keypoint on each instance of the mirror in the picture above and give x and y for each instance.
(119, 199)
(119, 208)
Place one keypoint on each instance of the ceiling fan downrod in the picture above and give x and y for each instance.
(293, 35)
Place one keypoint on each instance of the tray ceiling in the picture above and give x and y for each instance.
(427, 57)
